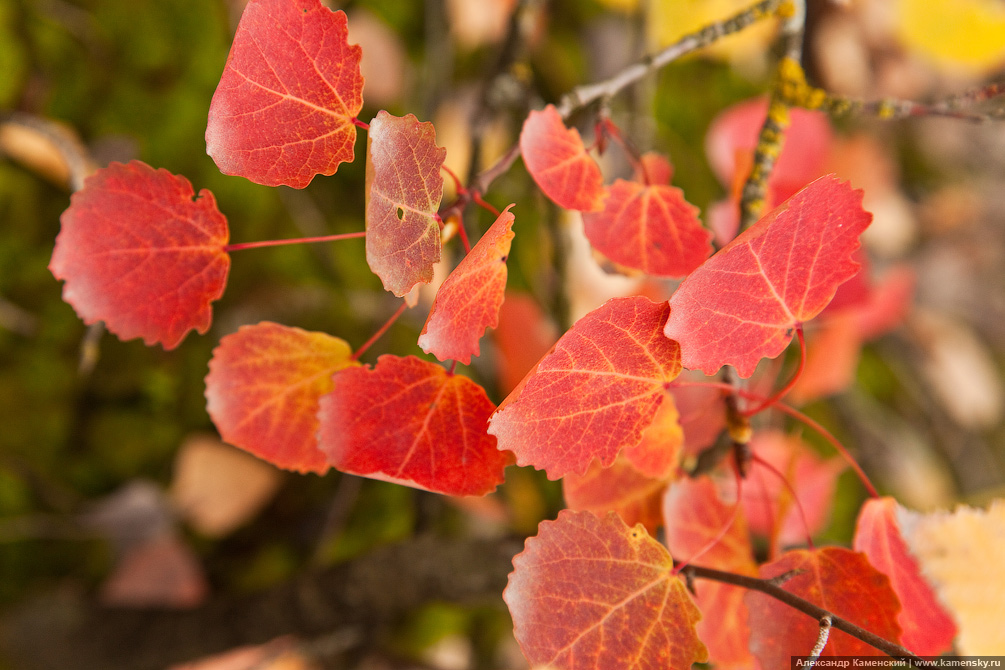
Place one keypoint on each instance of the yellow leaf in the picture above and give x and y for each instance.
(963, 554)
(966, 33)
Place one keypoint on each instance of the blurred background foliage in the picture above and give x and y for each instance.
(84, 415)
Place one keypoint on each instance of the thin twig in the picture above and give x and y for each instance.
(825, 632)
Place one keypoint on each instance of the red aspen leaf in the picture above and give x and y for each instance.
(557, 160)
(590, 592)
(744, 303)
(657, 455)
(263, 387)
(928, 629)
(694, 515)
(595, 393)
(654, 169)
(140, 253)
(403, 191)
(649, 228)
(468, 302)
(285, 106)
(410, 422)
(840, 581)
(620, 488)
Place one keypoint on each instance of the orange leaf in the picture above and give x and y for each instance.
(468, 302)
(263, 387)
(694, 516)
(591, 592)
(558, 162)
(410, 422)
(139, 253)
(595, 393)
(618, 488)
(838, 580)
(285, 106)
(403, 192)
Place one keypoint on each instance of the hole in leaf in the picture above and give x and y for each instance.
(401, 214)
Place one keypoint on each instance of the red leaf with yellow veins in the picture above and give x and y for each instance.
(410, 422)
(403, 192)
(695, 516)
(840, 581)
(285, 106)
(928, 629)
(649, 228)
(263, 387)
(590, 592)
(138, 252)
(619, 488)
(595, 393)
(557, 160)
(468, 302)
(744, 303)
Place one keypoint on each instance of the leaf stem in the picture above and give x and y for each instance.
(360, 124)
(782, 392)
(299, 240)
(792, 494)
(799, 416)
(775, 591)
(380, 331)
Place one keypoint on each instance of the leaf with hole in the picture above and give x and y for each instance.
(403, 192)
(138, 251)
(285, 107)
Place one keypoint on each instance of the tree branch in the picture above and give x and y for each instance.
(772, 589)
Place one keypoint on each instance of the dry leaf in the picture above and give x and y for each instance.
(217, 488)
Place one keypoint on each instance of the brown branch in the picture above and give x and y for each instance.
(581, 96)
(775, 591)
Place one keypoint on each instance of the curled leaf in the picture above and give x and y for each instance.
(557, 160)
